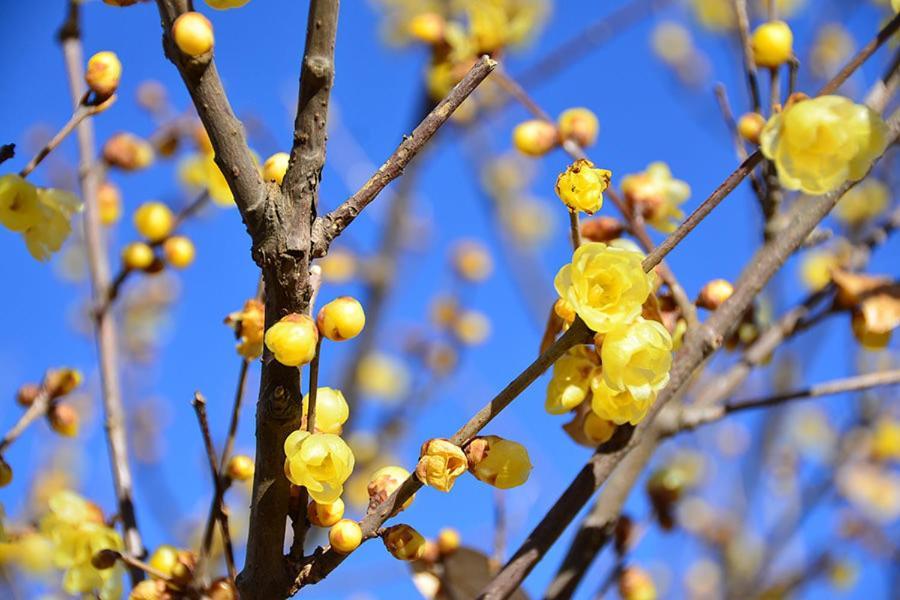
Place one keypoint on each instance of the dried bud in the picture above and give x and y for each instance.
(404, 542)
(127, 152)
(602, 229)
(249, 326)
(636, 584)
(384, 482)
(448, 541)
(498, 462)
(105, 559)
(27, 394)
(714, 294)
(150, 589)
(183, 571)
(664, 488)
(63, 419)
(59, 382)
(440, 463)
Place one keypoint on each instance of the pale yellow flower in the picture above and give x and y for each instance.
(606, 286)
(581, 186)
(618, 407)
(440, 463)
(658, 195)
(571, 381)
(47, 236)
(637, 357)
(321, 462)
(820, 143)
(332, 410)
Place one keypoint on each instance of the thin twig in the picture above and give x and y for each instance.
(743, 30)
(38, 408)
(886, 33)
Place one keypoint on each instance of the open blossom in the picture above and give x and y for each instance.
(571, 380)
(820, 143)
(658, 195)
(637, 358)
(321, 462)
(606, 285)
(581, 186)
(618, 407)
(42, 215)
(440, 463)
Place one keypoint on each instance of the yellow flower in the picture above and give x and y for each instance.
(293, 340)
(332, 410)
(618, 407)
(320, 462)
(820, 143)
(863, 202)
(248, 325)
(76, 529)
(46, 236)
(658, 195)
(886, 440)
(31, 551)
(276, 166)
(816, 267)
(440, 463)
(581, 186)
(716, 15)
(383, 376)
(201, 171)
(579, 124)
(605, 285)
(501, 463)
(571, 380)
(19, 205)
(404, 542)
(637, 358)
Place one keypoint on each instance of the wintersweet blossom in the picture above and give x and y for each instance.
(637, 358)
(658, 195)
(618, 407)
(571, 380)
(581, 186)
(320, 462)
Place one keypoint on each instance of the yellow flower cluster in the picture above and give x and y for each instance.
(42, 215)
(75, 528)
(658, 195)
(320, 462)
(820, 143)
(581, 186)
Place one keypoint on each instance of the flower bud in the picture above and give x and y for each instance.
(59, 382)
(636, 584)
(164, 559)
(581, 186)
(150, 589)
(105, 559)
(602, 229)
(448, 541)
(332, 410)
(580, 125)
(154, 221)
(427, 27)
(404, 542)
(472, 328)
(440, 463)
(240, 467)
(193, 34)
(384, 482)
(127, 152)
(63, 419)
(325, 514)
(179, 251)
(103, 73)
(664, 488)
(341, 319)
(27, 394)
(345, 536)
(183, 569)
(248, 325)
(109, 203)
(714, 294)
(750, 125)
(535, 137)
(772, 44)
(472, 261)
(868, 338)
(276, 166)
(6, 473)
(293, 340)
(564, 310)
(137, 256)
(501, 463)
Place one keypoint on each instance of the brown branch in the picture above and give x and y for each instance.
(886, 33)
(331, 225)
(38, 408)
(731, 123)
(743, 30)
(98, 263)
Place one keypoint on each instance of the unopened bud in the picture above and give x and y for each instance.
(240, 467)
(750, 126)
(27, 394)
(602, 229)
(714, 294)
(127, 152)
(193, 34)
(64, 419)
(427, 27)
(636, 584)
(345, 536)
(325, 515)
(384, 482)
(535, 137)
(104, 71)
(448, 541)
(404, 542)
(501, 463)
(580, 125)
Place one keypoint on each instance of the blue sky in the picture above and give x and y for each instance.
(645, 116)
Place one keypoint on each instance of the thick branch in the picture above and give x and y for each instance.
(331, 225)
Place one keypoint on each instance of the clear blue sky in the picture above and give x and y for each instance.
(645, 116)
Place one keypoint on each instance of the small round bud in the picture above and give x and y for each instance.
(773, 44)
(602, 229)
(427, 27)
(750, 125)
(64, 419)
(276, 166)
(164, 559)
(154, 221)
(109, 203)
(472, 261)
(27, 394)
(448, 541)
(193, 34)
(636, 584)
(501, 463)
(179, 251)
(384, 482)
(293, 340)
(104, 71)
(59, 382)
(105, 559)
(580, 125)
(325, 515)
(6, 473)
(137, 256)
(404, 542)
(240, 467)
(345, 536)
(183, 571)
(535, 137)
(127, 152)
(341, 319)
(866, 336)
(714, 294)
